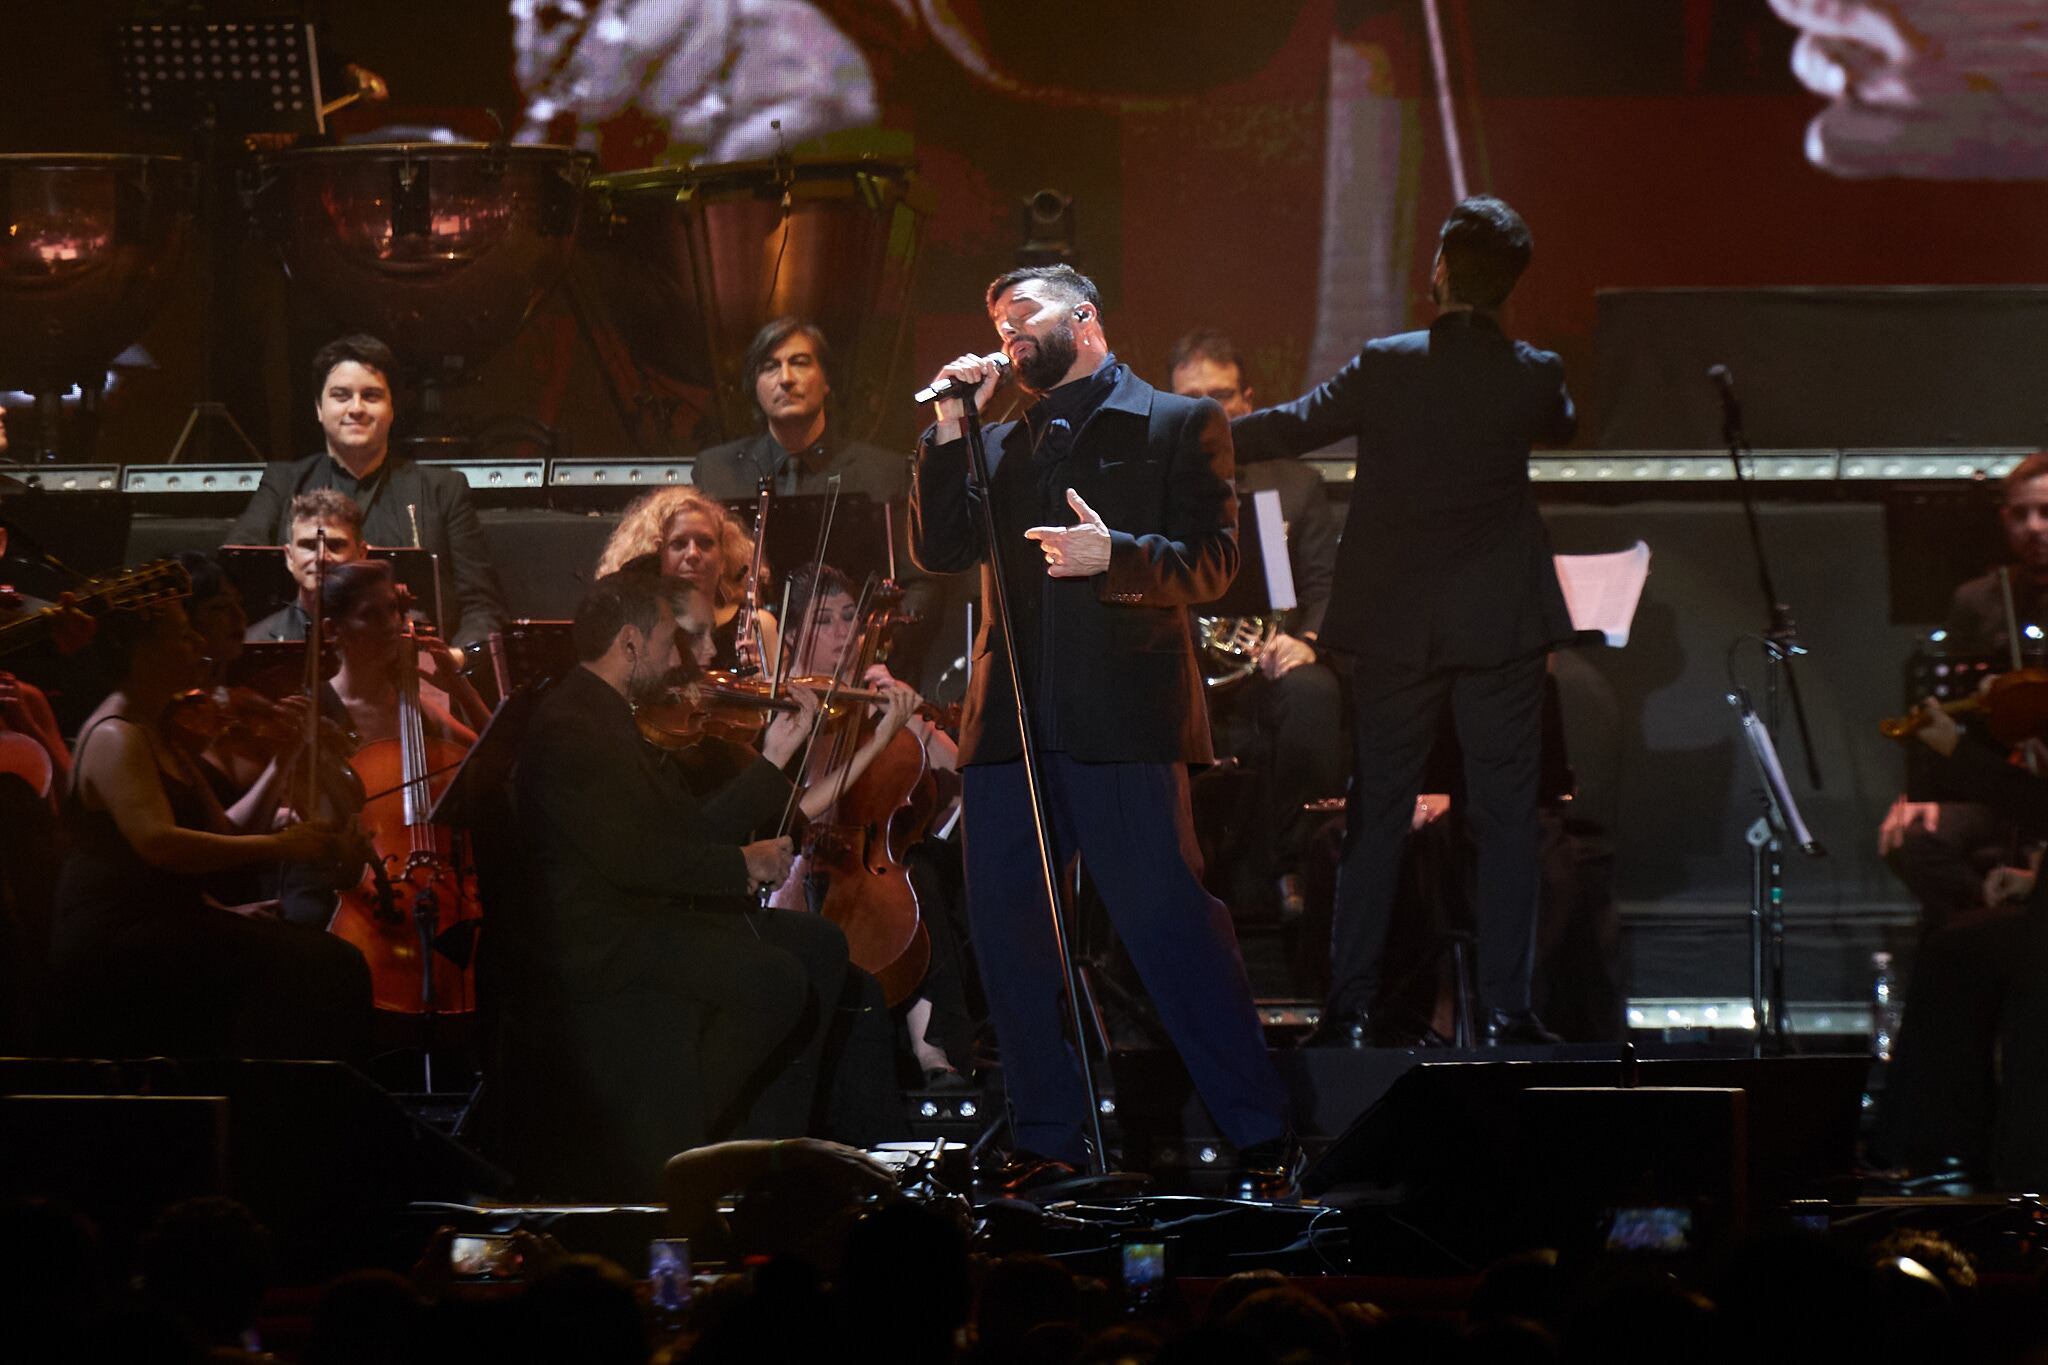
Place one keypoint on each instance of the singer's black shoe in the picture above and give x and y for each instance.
(1271, 1170)
(1346, 1028)
(1516, 1028)
(1024, 1171)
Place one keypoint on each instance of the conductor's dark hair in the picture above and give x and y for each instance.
(360, 347)
(1207, 344)
(1066, 281)
(630, 597)
(1486, 246)
(344, 585)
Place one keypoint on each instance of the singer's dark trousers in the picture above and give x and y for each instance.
(1499, 717)
(1130, 824)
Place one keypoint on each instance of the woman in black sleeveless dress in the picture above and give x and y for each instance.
(147, 960)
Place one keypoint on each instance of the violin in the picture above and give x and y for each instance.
(231, 715)
(2014, 705)
(716, 704)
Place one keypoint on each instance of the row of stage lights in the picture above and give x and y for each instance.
(1617, 467)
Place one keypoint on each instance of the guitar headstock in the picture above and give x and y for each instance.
(166, 580)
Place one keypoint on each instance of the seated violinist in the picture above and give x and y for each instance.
(826, 638)
(826, 654)
(147, 960)
(1969, 1074)
(1943, 849)
(699, 540)
(690, 1013)
(235, 755)
(34, 767)
(26, 716)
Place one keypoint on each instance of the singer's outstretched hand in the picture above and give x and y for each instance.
(978, 370)
(1079, 551)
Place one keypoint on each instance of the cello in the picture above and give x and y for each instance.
(415, 918)
(860, 843)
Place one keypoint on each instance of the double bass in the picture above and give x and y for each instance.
(416, 915)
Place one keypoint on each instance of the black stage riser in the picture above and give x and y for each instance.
(319, 1152)
(1409, 1116)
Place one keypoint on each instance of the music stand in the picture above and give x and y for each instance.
(209, 76)
(1779, 822)
(483, 780)
(526, 653)
(259, 574)
(860, 532)
(1264, 582)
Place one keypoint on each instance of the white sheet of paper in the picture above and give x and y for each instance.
(1273, 540)
(1602, 590)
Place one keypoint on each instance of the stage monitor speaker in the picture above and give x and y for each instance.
(316, 1150)
(1459, 1125)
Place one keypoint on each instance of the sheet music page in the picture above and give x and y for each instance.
(1602, 590)
(1273, 541)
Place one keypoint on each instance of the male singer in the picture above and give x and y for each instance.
(1445, 594)
(1115, 700)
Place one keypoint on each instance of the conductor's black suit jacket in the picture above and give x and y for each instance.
(1109, 659)
(1445, 562)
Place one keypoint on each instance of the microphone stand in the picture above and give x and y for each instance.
(970, 417)
(1780, 636)
(1770, 1024)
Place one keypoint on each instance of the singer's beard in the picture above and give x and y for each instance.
(1051, 356)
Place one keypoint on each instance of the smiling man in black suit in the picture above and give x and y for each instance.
(1445, 594)
(402, 502)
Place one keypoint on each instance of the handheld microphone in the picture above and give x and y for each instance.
(959, 388)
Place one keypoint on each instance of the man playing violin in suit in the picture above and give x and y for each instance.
(647, 875)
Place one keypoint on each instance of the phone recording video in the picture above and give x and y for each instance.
(484, 1256)
(1144, 1268)
(1656, 1230)
(668, 1274)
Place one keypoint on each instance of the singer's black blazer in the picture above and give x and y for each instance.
(1112, 654)
(1444, 561)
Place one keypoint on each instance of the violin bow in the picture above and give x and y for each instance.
(2012, 617)
(315, 625)
(784, 662)
(824, 704)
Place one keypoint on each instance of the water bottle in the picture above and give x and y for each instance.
(1884, 1008)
